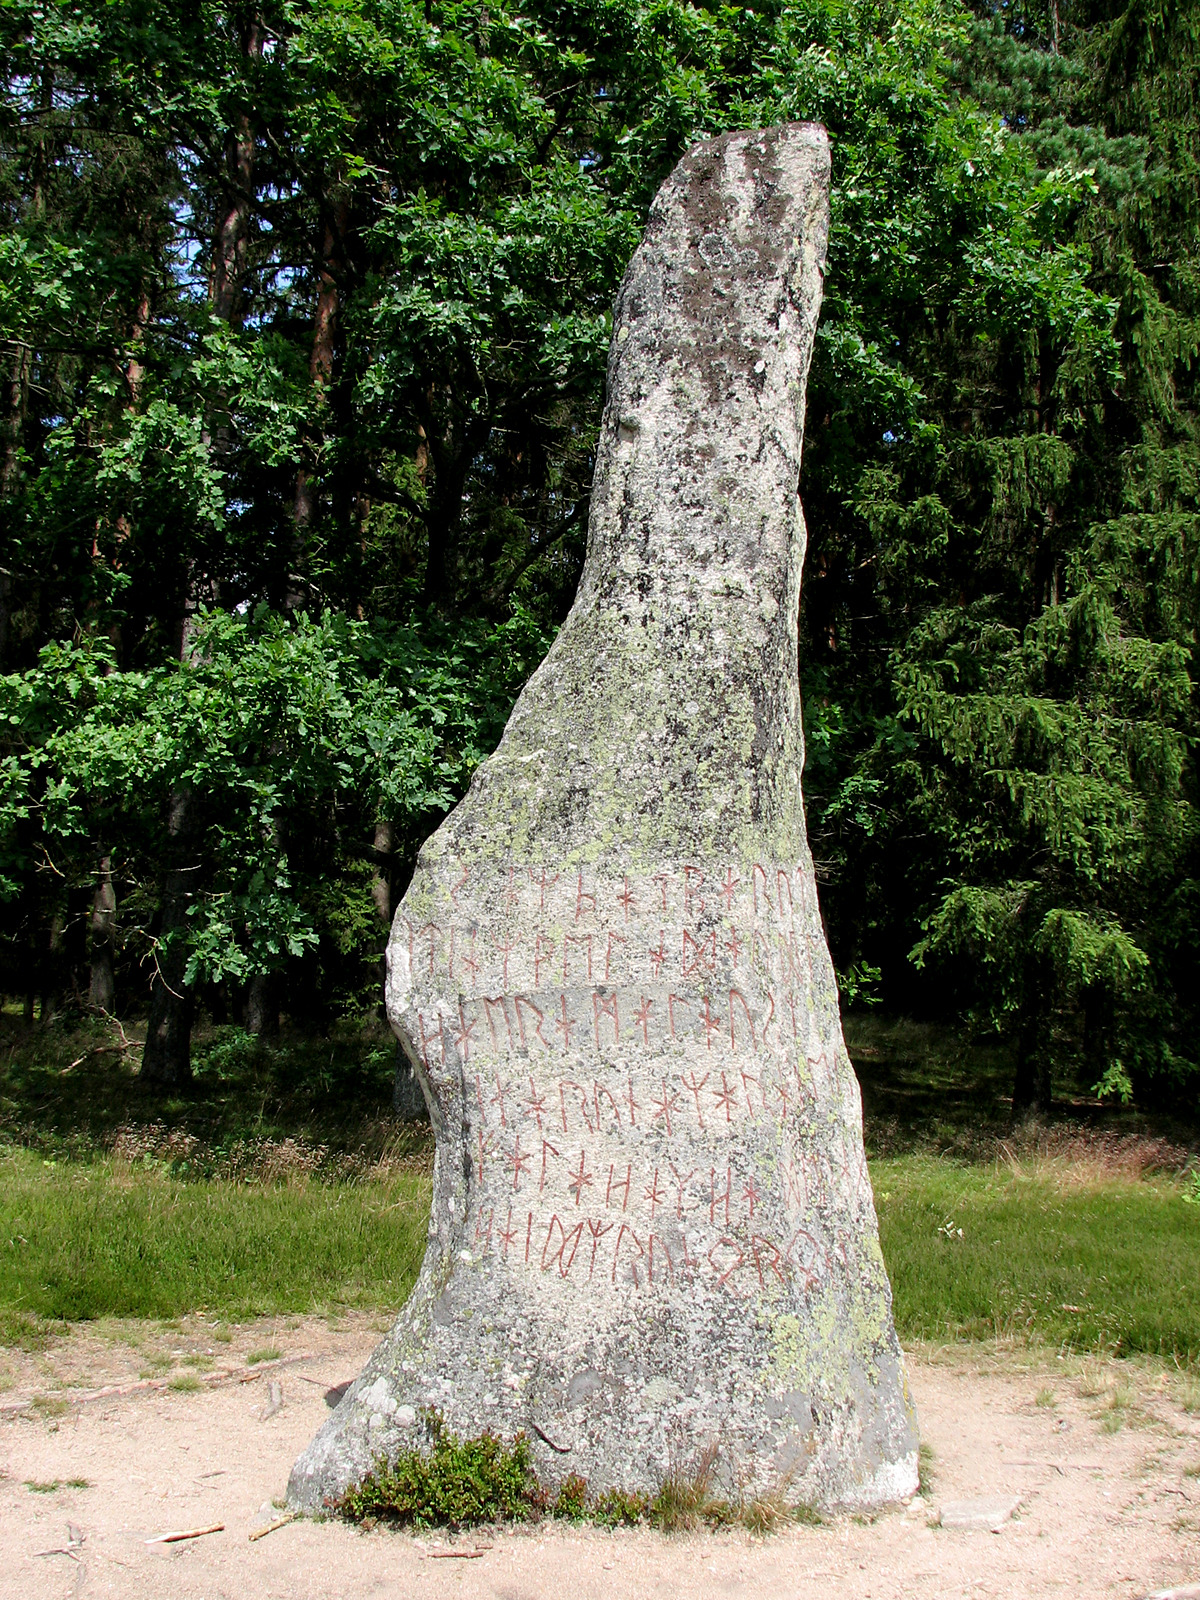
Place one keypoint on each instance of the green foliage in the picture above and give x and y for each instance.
(446, 1482)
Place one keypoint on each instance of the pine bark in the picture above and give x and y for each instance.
(167, 1058)
(102, 989)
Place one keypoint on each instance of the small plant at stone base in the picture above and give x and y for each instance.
(686, 1499)
(616, 1509)
(765, 1514)
(453, 1482)
(571, 1502)
(1191, 1195)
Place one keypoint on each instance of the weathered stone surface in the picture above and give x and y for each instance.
(652, 1229)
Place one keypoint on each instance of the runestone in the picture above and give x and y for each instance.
(652, 1240)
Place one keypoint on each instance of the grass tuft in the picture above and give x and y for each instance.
(185, 1383)
(925, 1460)
(268, 1352)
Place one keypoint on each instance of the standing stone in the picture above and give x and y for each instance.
(652, 1238)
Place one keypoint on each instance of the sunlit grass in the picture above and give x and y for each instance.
(92, 1239)
(1111, 1265)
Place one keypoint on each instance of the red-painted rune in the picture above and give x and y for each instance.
(666, 1103)
(626, 899)
(507, 1234)
(726, 1098)
(460, 884)
(498, 1100)
(580, 1180)
(694, 1089)
(729, 888)
(547, 1150)
(518, 1163)
(712, 1022)
(467, 960)
(605, 1007)
(655, 1195)
(566, 1025)
(543, 883)
(535, 1105)
(464, 1033)
(699, 953)
(752, 1195)
(506, 949)
(680, 1185)
(693, 882)
(585, 903)
(642, 1017)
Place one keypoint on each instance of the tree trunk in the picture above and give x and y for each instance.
(233, 231)
(262, 1006)
(451, 449)
(1033, 1077)
(381, 886)
(102, 990)
(53, 976)
(167, 1058)
(298, 587)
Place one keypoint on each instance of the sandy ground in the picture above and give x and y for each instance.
(1099, 1456)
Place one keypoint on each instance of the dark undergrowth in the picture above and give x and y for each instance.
(256, 1109)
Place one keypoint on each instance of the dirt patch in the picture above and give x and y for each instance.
(1102, 1459)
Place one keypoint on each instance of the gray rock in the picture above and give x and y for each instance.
(1189, 1591)
(652, 1236)
(990, 1512)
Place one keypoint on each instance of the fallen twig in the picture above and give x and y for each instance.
(187, 1533)
(280, 1522)
(457, 1555)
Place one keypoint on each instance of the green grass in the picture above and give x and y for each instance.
(92, 1239)
(1111, 1266)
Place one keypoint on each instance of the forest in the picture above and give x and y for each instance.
(304, 314)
